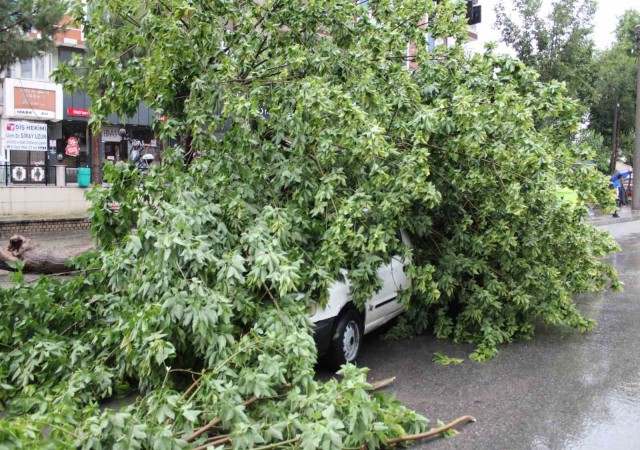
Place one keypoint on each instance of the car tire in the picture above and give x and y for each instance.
(346, 340)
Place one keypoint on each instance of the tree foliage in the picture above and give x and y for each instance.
(626, 31)
(17, 18)
(199, 308)
(615, 83)
(558, 45)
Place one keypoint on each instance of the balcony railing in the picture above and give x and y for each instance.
(27, 174)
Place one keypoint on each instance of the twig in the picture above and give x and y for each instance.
(432, 432)
(129, 19)
(126, 51)
(277, 444)
(203, 430)
(275, 303)
(382, 383)
(214, 422)
(193, 385)
(168, 8)
(219, 439)
(222, 439)
(14, 24)
(187, 392)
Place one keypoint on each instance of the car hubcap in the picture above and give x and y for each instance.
(351, 341)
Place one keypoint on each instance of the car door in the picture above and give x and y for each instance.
(400, 278)
(383, 302)
(383, 306)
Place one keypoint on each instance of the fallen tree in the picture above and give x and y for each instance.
(29, 257)
(199, 310)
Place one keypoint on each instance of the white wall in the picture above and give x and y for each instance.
(42, 201)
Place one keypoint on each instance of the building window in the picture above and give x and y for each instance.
(38, 68)
(26, 69)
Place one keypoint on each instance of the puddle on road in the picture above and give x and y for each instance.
(613, 425)
(610, 419)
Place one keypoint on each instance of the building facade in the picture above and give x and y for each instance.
(43, 127)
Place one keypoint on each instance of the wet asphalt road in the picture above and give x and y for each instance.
(561, 390)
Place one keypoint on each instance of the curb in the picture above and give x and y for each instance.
(62, 224)
(614, 220)
(26, 220)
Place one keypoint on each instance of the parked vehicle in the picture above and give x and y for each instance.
(340, 327)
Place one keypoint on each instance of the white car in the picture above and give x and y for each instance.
(340, 327)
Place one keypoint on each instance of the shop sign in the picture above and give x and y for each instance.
(73, 146)
(110, 134)
(32, 100)
(78, 112)
(36, 103)
(24, 136)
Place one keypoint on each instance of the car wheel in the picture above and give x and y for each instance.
(346, 340)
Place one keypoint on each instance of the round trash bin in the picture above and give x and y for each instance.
(84, 176)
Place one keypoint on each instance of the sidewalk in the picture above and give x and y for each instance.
(625, 213)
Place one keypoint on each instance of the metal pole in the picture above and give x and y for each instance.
(635, 202)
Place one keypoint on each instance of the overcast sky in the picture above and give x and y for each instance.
(606, 19)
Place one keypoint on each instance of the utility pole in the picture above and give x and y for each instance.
(635, 201)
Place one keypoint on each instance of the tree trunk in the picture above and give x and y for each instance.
(35, 258)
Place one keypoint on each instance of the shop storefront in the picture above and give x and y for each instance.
(115, 142)
(118, 140)
(73, 147)
(32, 110)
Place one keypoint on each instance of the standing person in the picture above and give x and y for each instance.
(614, 186)
(622, 192)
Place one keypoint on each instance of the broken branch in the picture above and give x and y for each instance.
(35, 258)
(382, 383)
(432, 432)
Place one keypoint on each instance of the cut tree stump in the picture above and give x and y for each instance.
(37, 259)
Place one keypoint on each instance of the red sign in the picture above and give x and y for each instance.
(73, 146)
(78, 112)
(162, 118)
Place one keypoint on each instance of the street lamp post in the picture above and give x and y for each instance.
(123, 142)
(635, 202)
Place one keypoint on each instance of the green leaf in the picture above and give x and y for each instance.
(445, 360)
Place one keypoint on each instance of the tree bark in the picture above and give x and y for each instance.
(36, 259)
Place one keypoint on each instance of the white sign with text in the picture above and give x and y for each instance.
(110, 134)
(24, 136)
